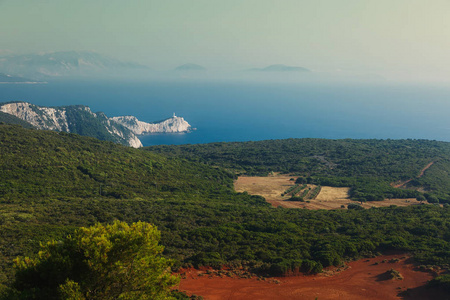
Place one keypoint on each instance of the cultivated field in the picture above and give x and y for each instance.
(272, 188)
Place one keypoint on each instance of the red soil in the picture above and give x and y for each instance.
(362, 279)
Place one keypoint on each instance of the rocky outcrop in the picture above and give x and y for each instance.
(81, 120)
(40, 117)
(73, 119)
(173, 124)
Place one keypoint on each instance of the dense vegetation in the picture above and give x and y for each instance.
(52, 183)
(117, 261)
(369, 167)
(43, 164)
(10, 119)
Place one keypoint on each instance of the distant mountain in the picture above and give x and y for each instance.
(81, 120)
(4, 78)
(190, 67)
(65, 64)
(281, 68)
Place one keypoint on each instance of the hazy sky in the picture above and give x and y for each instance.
(388, 37)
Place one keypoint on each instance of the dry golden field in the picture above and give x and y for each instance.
(272, 187)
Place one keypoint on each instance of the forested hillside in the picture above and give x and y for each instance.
(49, 164)
(10, 119)
(369, 167)
(52, 183)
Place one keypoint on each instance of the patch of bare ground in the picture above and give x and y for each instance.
(272, 187)
(362, 279)
(387, 202)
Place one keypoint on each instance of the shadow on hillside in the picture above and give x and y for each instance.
(424, 292)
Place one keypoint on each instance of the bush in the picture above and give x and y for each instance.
(355, 206)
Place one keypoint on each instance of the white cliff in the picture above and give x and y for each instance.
(170, 125)
(40, 117)
(81, 120)
(58, 119)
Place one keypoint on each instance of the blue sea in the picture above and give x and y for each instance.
(234, 111)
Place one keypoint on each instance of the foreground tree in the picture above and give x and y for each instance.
(117, 261)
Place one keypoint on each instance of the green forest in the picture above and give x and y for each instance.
(53, 183)
(368, 167)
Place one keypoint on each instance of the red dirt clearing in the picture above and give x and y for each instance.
(361, 280)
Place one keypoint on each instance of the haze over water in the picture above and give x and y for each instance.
(388, 41)
(230, 111)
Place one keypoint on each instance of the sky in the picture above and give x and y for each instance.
(392, 38)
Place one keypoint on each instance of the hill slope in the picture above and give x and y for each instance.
(50, 164)
(10, 119)
(52, 182)
(370, 167)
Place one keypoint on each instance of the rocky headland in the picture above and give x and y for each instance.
(81, 120)
(173, 124)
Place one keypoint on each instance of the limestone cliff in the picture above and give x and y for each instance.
(173, 124)
(81, 120)
(40, 117)
(77, 119)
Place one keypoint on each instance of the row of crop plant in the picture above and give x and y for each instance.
(293, 190)
(314, 192)
(304, 193)
(298, 189)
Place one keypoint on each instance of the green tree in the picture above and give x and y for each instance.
(432, 199)
(301, 180)
(117, 261)
(421, 198)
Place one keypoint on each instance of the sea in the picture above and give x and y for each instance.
(251, 111)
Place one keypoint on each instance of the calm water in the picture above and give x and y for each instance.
(244, 112)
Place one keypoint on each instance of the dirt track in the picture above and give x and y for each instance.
(362, 280)
(404, 183)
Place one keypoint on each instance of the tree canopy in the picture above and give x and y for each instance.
(117, 261)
